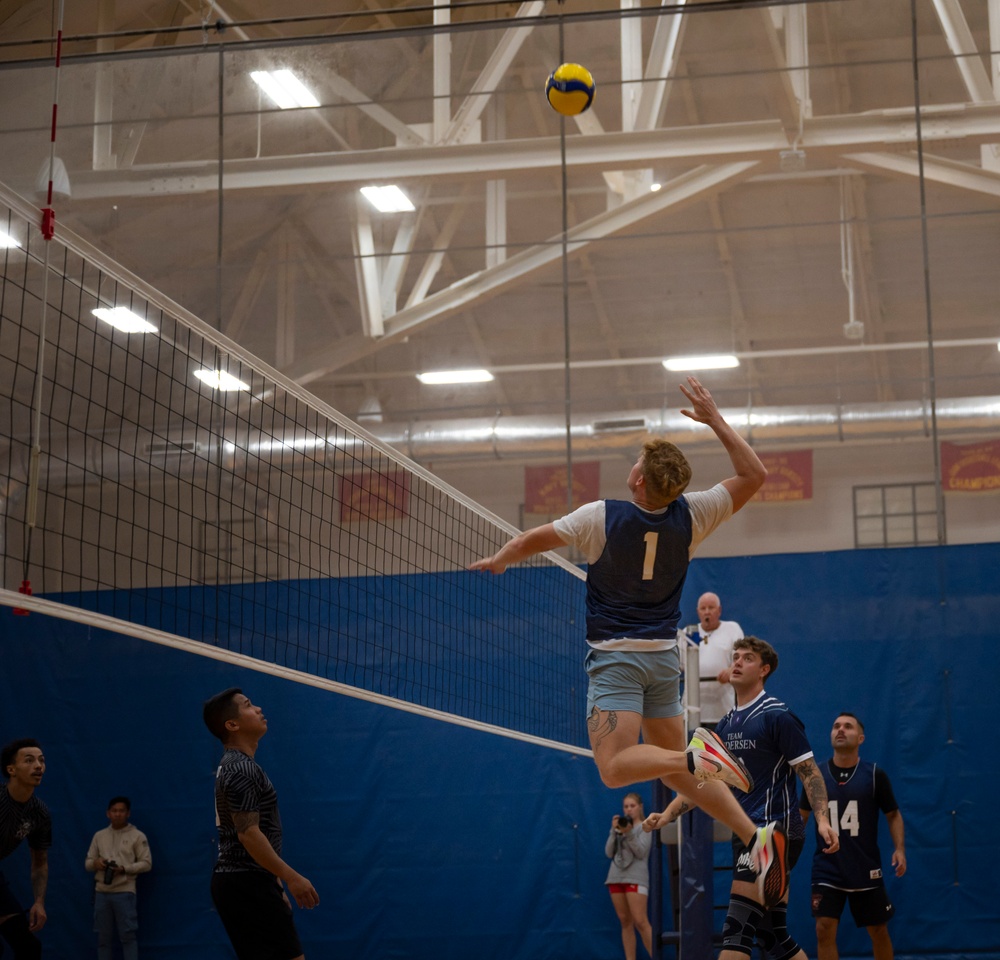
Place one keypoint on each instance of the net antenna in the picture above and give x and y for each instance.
(190, 495)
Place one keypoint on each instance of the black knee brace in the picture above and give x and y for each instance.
(782, 946)
(741, 924)
(23, 942)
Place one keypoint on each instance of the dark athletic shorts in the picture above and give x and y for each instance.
(255, 915)
(870, 908)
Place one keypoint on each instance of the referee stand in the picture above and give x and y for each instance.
(687, 846)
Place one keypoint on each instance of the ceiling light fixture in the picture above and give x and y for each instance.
(720, 361)
(7, 241)
(455, 376)
(220, 380)
(655, 187)
(284, 88)
(388, 199)
(121, 318)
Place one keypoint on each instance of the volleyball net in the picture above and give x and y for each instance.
(184, 492)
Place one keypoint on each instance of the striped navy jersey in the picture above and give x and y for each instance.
(857, 794)
(241, 786)
(19, 820)
(634, 587)
(770, 740)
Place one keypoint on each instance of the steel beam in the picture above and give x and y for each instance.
(753, 140)
(688, 187)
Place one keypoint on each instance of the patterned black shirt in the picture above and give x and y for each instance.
(241, 786)
(20, 820)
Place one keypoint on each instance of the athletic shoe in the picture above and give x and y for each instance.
(708, 759)
(770, 860)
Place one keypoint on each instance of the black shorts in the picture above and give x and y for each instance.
(870, 908)
(256, 916)
(741, 858)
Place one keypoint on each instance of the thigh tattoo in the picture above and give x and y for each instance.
(599, 731)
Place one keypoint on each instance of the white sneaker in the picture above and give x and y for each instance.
(708, 759)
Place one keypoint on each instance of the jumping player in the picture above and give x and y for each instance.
(638, 552)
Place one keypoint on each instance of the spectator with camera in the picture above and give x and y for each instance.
(117, 854)
(628, 848)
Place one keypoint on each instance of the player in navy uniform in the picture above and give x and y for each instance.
(770, 740)
(857, 791)
(247, 880)
(638, 552)
(22, 815)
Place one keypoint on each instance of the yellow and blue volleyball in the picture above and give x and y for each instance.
(570, 89)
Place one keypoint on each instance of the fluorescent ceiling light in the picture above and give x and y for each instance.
(6, 241)
(284, 88)
(220, 380)
(388, 199)
(714, 362)
(455, 376)
(121, 318)
(655, 187)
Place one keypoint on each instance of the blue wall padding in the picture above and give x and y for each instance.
(426, 839)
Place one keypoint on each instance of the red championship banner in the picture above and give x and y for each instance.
(545, 487)
(789, 477)
(370, 495)
(970, 467)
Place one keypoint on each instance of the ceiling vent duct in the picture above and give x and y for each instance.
(622, 423)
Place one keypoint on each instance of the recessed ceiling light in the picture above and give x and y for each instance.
(121, 318)
(220, 380)
(7, 241)
(388, 199)
(284, 88)
(455, 376)
(714, 362)
(655, 187)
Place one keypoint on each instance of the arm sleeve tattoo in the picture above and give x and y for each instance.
(815, 788)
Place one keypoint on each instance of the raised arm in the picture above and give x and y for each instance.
(815, 788)
(524, 545)
(750, 472)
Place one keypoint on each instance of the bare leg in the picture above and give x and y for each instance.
(640, 918)
(714, 797)
(826, 938)
(625, 919)
(881, 944)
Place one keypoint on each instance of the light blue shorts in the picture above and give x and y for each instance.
(645, 683)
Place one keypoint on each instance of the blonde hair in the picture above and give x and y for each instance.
(638, 800)
(665, 469)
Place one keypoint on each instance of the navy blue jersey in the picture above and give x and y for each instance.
(19, 820)
(634, 587)
(856, 796)
(241, 786)
(768, 738)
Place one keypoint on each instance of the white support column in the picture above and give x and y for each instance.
(496, 193)
(366, 267)
(797, 55)
(441, 117)
(104, 82)
(637, 182)
(660, 67)
(991, 152)
(631, 45)
(392, 275)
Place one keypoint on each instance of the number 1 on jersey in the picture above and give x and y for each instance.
(650, 558)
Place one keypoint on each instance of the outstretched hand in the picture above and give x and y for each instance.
(656, 820)
(705, 410)
(488, 564)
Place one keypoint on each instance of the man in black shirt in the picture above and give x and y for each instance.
(22, 815)
(247, 880)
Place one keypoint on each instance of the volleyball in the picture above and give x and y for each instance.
(570, 89)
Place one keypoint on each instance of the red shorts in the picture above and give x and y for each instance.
(627, 888)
